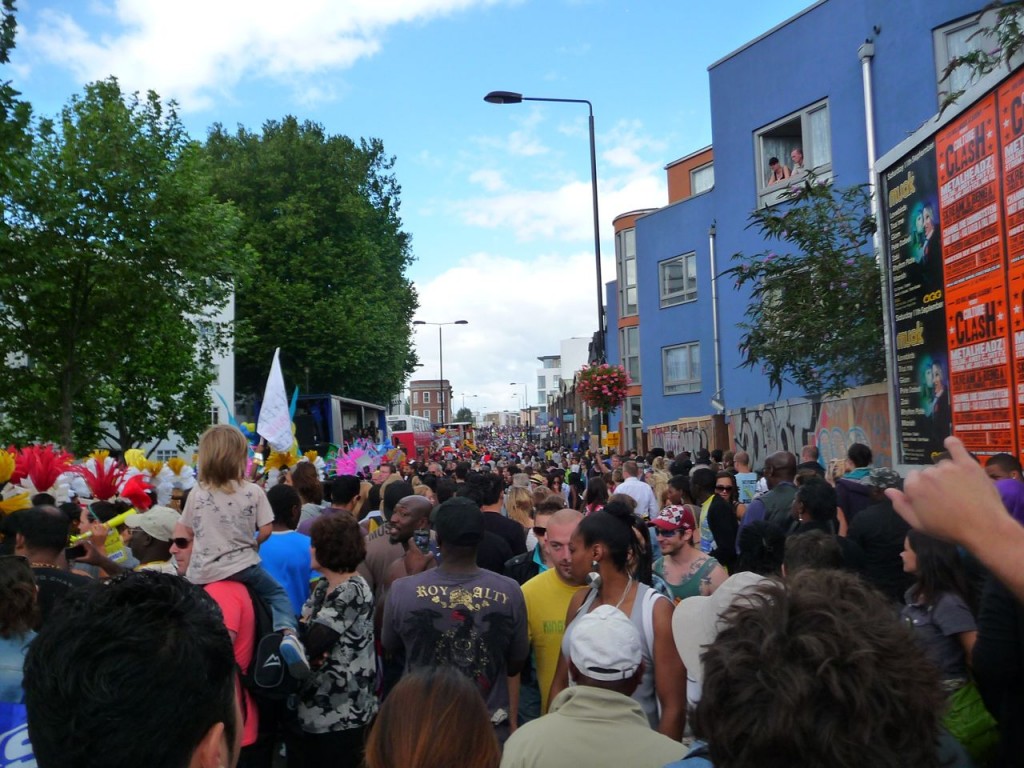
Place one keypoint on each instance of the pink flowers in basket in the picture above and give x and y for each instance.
(602, 385)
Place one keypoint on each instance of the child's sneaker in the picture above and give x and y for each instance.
(294, 656)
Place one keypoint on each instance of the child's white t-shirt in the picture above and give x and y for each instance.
(224, 525)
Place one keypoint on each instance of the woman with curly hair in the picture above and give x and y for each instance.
(339, 700)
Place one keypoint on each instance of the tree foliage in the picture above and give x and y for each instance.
(119, 261)
(14, 113)
(995, 44)
(815, 315)
(464, 414)
(329, 284)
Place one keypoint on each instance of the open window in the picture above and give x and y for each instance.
(799, 144)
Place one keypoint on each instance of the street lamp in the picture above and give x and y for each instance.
(526, 404)
(464, 396)
(440, 357)
(510, 97)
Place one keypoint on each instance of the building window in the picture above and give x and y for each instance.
(702, 179)
(165, 454)
(625, 259)
(415, 412)
(415, 398)
(214, 414)
(806, 133)
(426, 398)
(677, 280)
(630, 351)
(680, 368)
(959, 39)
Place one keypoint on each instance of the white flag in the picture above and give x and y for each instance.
(275, 423)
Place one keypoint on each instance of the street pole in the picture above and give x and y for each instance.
(511, 97)
(440, 354)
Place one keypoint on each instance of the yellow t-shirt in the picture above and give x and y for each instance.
(547, 600)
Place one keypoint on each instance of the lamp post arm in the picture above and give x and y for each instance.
(590, 106)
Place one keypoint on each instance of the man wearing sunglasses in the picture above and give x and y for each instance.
(150, 535)
(548, 595)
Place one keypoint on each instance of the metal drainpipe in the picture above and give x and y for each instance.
(714, 315)
(866, 52)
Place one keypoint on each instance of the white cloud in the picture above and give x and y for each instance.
(489, 179)
(560, 208)
(517, 310)
(196, 50)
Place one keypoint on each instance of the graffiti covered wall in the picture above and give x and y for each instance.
(690, 435)
(832, 425)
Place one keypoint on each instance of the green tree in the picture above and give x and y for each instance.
(119, 262)
(464, 414)
(815, 315)
(14, 114)
(329, 289)
(993, 44)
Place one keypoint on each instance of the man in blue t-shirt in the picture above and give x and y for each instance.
(285, 554)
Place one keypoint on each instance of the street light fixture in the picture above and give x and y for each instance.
(440, 357)
(526, 404)
(510, 97)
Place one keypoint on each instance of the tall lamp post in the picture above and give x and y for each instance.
(526, 404)
(440, 357)
(510, 97)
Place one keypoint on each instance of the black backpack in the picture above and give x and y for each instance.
(268, 678)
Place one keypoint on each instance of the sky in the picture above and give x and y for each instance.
(496, 198)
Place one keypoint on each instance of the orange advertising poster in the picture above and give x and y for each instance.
(1011, 133)
(977, 323)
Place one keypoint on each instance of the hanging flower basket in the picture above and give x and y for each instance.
(602, 386)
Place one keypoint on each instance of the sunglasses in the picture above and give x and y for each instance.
(181, 543)
(724, 487)
(539, 530)
(661, 533)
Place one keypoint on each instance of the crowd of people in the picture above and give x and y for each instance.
(512, 604)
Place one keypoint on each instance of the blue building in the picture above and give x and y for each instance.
(800, 87)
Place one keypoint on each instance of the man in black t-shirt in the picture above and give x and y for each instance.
(486, 490)
(40, 535)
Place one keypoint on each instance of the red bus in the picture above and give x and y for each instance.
(413, 433)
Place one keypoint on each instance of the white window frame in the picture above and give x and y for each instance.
(415, 397)
(165, 454)
(426, 398)
(699, 171)
(689, 291)
(627, 353)
(440, 416)
(770, 194)
(622, 260)
(682, 386)
(943, 54)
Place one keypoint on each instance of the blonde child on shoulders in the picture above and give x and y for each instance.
(230, 517)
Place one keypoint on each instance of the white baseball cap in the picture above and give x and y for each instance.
(605, 645)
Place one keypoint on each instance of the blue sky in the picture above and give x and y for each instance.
(496, 198)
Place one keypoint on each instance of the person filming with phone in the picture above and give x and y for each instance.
(410, 527)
